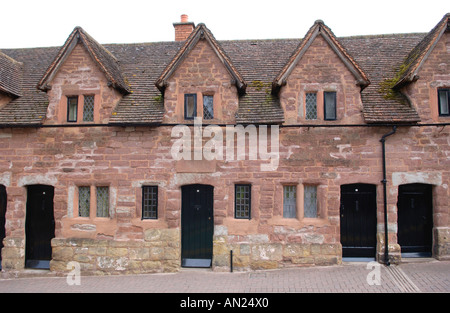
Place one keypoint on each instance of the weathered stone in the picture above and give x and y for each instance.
(265, 252)
(156, 253)
(111, 263)
(97, 250)
(151, 265)
(263, 265)
(170, 254)
(117, 252)
(296, 250)
(62, 253)
(139, 253)
(152, 235)
(170, 235)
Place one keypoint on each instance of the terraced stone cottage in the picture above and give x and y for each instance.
(256, 154)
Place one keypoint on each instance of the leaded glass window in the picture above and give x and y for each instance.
(84, 201)
(311, 106)
(102, 201)
(242, 201)
(208, 108)
(88, 109)
(290, 201)
(149, 202)
(310, 201)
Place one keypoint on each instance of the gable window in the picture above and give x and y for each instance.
(242, 196)
(311, 106)
(329, 107)
(149, 202)
(190, 106)
(208, 107)
(290, 201)
(310, 201)
(72, 108)
(88, 109)
(444, 102)
(102, 194)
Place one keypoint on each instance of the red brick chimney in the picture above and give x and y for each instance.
(183, 29)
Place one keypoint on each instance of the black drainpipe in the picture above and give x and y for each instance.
(384, 181)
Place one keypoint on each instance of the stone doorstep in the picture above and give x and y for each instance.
(27, 273)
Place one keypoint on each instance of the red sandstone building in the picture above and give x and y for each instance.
(87, 172)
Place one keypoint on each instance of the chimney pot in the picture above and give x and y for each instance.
(183, 29)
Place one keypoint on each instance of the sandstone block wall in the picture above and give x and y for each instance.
(158, 252)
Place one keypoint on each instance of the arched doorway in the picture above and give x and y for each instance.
(415, 219)
(39, 226)
(358, 217)
(197, 225)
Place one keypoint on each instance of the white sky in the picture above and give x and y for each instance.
(43, 23)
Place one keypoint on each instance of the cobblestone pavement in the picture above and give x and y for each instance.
(430, 276)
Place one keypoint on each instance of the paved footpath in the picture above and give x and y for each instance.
(430, 276)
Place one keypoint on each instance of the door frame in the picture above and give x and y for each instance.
(203, 256)
(359, 190)
(38, 250)
(3, 208)
(425, 192)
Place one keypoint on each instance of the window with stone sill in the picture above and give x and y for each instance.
(242, 198)
(329, 105)
(149, 202)
(444, 101)
(208, 107)
(311, 106)
(190, 106)
(102, 195)
(87, 108)
(290, 201)
(100, 204)
(72, 108)
(84, 201)
(310, 201)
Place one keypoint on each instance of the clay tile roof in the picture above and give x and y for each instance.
(380, 55)
(31, 107)
(409, 69)
(255, 64)
(10, 76)
(104, 59)
(142, 64)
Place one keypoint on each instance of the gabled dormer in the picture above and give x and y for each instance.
(321, 81)
(424, 75)
(10, 79)
(201, 81)
(84, 82)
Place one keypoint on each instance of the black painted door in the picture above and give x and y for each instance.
(39, 226)
(358, 220)
(197, 225)
(415, 222)
(2, 219)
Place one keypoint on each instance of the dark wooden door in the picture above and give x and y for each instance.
(415, 222)
(2, 219)
(197, 225)
(39, 226)
(358, 220)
